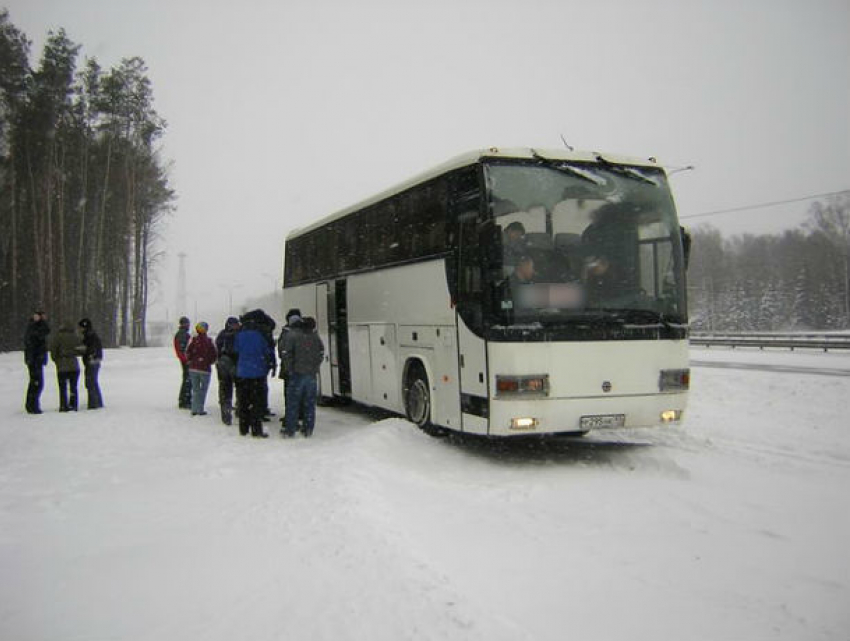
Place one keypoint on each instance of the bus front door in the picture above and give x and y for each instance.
(324, 302)
(336, 306)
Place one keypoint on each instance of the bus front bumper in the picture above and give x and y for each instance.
(517, 417)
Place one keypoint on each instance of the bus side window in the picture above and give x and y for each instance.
(470, 275)
(490, 243)
(462, 194)
(360, 230)
(426, 219)
(386, 238)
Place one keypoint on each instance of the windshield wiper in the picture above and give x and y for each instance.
(593, 316)
(650, 317)
(584, 174)
(625, 170)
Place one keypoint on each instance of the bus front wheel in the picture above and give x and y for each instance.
(417, 400)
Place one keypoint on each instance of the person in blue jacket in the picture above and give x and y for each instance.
(253, 353)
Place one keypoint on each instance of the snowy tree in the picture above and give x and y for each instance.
(832, 221)
(770, 315)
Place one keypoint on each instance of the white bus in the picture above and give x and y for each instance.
(505, 292)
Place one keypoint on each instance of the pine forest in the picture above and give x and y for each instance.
(83, 189)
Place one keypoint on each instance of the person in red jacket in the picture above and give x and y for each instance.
(181, 342)
(200, 356)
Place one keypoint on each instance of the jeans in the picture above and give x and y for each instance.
(184, 401)
(92, 371)
(200, 385)
(301, 391)
(68, 390)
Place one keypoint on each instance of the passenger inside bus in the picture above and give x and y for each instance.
(523, 272)
(514, 243)
(610, 267)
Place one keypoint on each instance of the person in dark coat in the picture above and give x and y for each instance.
(253, 354)
(226, 368)
(200, 356)
(65, 347)
(181, 342)
(294, 312)
(35, 357)
(515, 243)
(92, 357)
(303, 353)
(267, 327)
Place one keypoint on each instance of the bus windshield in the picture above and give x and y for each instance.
(571, 242)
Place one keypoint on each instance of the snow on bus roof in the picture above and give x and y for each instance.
(470, 158)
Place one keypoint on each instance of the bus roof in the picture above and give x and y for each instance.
(471, 158)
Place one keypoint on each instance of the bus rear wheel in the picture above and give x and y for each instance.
(417, 401)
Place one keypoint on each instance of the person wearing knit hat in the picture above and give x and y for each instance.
(200, 356)
(181, 342)
(92, 357)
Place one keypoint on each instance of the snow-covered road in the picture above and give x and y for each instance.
(141, 522)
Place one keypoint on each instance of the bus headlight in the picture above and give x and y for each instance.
(527, 385)
(524, 423)
(674, 380)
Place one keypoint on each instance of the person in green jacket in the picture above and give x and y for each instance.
(65, 347)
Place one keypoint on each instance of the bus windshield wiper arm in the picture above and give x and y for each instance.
(594, 316)
(584, 174)
(647, 317)
(624, 170)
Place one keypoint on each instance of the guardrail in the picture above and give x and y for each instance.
(792, 341)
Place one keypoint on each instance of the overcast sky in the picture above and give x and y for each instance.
(281, 112)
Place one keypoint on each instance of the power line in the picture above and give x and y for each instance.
(763, 205)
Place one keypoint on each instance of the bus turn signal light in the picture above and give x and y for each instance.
(674, 380)
(526, 385)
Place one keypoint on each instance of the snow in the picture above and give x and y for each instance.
(142, 522)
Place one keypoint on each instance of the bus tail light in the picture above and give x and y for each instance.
(528, 385)
(674, 380)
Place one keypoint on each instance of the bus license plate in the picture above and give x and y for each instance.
(602, 421)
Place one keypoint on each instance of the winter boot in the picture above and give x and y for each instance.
(257, 430)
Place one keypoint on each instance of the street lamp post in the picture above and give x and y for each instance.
(229, 288)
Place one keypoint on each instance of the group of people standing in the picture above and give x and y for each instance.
(66, 347)
(245, 355)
